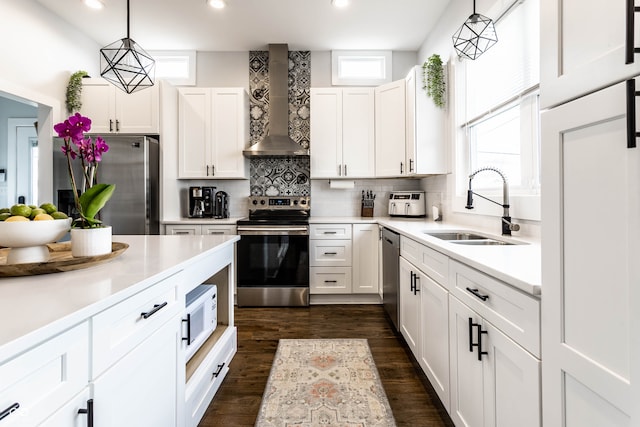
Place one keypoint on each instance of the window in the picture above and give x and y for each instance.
(498, 111)
(360, 68)
(177, 67)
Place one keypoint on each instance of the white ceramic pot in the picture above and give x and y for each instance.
(90, 241)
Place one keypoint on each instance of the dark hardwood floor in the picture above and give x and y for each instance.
(237, 402)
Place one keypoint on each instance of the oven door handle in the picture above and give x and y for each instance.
(272, 230)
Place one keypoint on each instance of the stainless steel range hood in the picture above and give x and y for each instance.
(277, 143)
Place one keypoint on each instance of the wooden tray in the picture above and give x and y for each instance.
(60, 260)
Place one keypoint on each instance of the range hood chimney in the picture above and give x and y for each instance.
(277, 143)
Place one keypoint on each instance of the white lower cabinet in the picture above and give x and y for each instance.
(140, 389)
(409, 295)
(75, 413)
(494, 381)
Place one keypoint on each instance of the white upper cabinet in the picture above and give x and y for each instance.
(583, 47)
(426, 144)
(390, 129)
(112, 110)
(213, 129)
(342, 133)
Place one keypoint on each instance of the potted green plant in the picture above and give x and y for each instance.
(74, 91)
(433, 79)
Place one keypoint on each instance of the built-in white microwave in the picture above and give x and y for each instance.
(201, 317)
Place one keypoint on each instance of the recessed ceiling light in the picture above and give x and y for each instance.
(340, 3)
(93, 4)
(217, 4)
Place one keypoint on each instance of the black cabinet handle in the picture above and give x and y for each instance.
(478, 294)
(630, 48)
(207, 170)
(217, 372)
(213, 170)
(330, 232)
(401, 168)
(4, 414)
(154, 310)
(89, 412)
(110, 125)
(410, 165)
(330, 281)
(480, 333)
(415, 284)
(471, 344)
(345, 170)
(188, 338)
(331, 253)
(117, 125)
(632, 134)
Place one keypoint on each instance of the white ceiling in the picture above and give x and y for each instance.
(253, 24)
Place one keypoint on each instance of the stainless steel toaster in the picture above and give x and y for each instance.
(407, 203)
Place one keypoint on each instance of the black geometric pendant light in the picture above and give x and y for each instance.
(127, 65)
(475, 36)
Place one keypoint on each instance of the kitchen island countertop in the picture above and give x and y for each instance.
(33, 308)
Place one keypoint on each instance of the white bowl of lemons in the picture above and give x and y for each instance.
(26, 230)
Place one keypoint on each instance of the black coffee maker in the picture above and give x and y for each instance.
(202, 202)
(222, 205)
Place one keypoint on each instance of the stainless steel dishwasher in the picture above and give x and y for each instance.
(391, 274)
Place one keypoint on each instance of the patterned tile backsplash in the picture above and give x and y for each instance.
(274, 176)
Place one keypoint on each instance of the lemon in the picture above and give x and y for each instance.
(16, 218)
(43, 217)
(49, 208)
(32, 206)
(35, 212)
(4, 215)
(59, 215)
(5, 210)
(21, 210)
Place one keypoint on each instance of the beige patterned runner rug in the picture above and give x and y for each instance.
(332, 382)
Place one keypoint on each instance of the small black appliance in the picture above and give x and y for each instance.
(222, 205)
(202, 202)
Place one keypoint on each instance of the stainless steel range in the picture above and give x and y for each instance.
(273, 252)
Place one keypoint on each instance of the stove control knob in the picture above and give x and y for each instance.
(255, 202)
(303, 202)
(295, 202)
(262, 202)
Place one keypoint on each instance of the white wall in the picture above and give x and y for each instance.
(440, 189)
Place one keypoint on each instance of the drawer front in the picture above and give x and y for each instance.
(182, 229)
(35, 384)
(430, 262)
(330, 253)
(119, 329)
(218, 229)
(516, 314)
(204, 384)
(330, 280)
(330, 231)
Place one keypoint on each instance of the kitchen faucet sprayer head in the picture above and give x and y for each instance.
(469, 196)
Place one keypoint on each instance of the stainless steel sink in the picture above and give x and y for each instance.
(455, 235)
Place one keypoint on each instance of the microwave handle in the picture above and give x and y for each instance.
(188, 338)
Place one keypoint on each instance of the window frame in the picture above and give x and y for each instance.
(190, 56)
(337, 56)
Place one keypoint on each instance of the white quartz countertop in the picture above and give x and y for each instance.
(517, 265)
(35, 307)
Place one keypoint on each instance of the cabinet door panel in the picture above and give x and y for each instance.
(434, 358)
(588, 284)
(230, 133)
(575, 61)
(358, 132)
(365, 258)
(511, 382)
(326, 133)
(390, 129)
(409, 307)
(137, 112)
(98, 103)
(467, 390)
(194, 132)
(140, 390)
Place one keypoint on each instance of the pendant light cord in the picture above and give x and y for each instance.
(474, 2)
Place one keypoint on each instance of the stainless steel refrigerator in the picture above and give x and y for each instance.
(132, 164)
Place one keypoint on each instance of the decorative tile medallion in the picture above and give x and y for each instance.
(275, 176)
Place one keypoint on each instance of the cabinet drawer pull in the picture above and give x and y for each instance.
(330, 232)
(630, 48)
(4, 414)
(188, 338)
(478, 294)
(154, 310)
(331, 253)
(89, 412)
(330, 281)
(215, 232)
(217, 372)
(181, 232)
(632, 133)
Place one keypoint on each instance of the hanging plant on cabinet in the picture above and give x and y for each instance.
(433, 79)
(74, 91)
